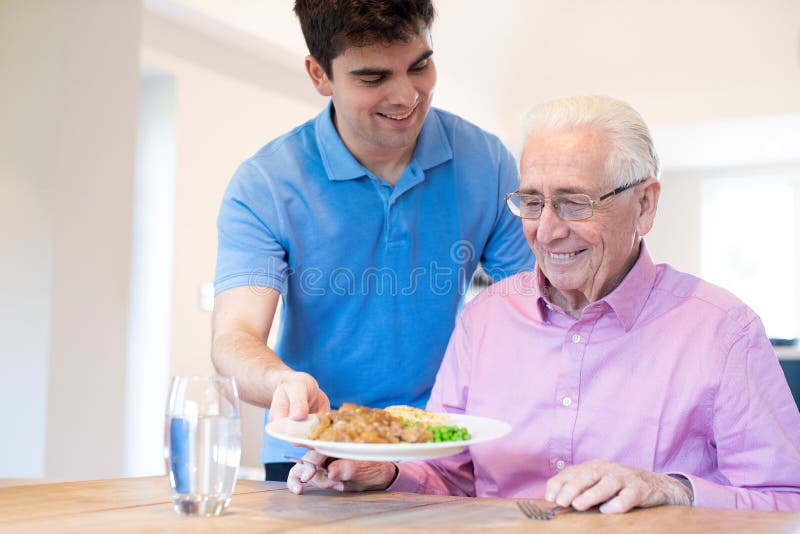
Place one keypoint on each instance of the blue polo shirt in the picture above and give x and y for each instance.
(371, 276)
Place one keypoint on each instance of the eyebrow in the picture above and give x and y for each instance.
(560, 191)
(530, 191)
(375, 71)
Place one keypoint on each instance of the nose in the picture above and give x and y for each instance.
(550, 226)
(403, 93)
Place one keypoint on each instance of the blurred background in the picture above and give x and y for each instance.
(122, 121)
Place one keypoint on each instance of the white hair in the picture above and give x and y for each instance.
(632, 156)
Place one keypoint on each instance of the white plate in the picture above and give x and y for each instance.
(480, 428)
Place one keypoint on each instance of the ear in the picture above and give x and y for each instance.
(318, 77)
(647, 206)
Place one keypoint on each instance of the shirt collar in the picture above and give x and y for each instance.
(433, 147)
(543, 304)
(338, 161)
(627, 299)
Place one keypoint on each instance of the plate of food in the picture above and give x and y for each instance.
(395, 433)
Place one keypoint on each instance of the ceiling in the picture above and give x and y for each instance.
(678, 62)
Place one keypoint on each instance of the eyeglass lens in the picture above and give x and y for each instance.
(568, 207)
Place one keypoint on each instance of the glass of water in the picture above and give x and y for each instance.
(202, 443)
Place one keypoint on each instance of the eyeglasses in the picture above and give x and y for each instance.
(568, 207)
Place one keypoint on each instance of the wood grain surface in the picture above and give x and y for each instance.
(143, 505)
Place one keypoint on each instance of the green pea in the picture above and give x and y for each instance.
(449, 433)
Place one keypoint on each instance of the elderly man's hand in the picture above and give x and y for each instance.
(615, 487)
(297, 395)
(342, 475)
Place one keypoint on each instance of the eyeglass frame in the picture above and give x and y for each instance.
(591, 204)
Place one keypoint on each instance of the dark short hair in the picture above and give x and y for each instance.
(331, 26)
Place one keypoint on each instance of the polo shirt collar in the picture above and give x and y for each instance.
(338, 161)
(628, 298)
(433, 147)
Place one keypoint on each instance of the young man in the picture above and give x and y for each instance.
(368, 221)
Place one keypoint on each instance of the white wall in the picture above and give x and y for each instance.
(682, 61)
(692, 152)
(226, 109)
(71, 71)
(150, 326)
(26, 230)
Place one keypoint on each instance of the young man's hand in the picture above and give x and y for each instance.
(296, 396)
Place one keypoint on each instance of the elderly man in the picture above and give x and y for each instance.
(627, 383)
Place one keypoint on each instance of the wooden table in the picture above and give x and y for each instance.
(143, 505)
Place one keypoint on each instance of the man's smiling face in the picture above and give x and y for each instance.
(382, 93)
(583, 260)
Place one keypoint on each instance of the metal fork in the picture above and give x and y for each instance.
(534, 511)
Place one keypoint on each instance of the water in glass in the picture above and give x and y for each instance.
(203, 443)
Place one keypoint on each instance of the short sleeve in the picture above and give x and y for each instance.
(250, 248)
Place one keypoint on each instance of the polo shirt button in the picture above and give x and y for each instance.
(576, 338)
(566, 401)
(561, 464)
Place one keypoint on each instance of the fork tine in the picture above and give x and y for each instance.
(538, 512)
(526, 509)
(530, 510)
(523, 509)
(534, 511)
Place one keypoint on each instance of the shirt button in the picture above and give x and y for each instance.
(561, 464)
(566, 401)
(576, 338)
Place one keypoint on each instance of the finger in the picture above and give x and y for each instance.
(577, 481)
(323, 404)
(322, 481)
(297, 395)
(307, 472)
(294, 481)
(553, 487)
(360, 476)
(626, 499)
(316, 458)
(340, 470)
(279, 407)
(556, 482)
(305, 475)
(605, 489)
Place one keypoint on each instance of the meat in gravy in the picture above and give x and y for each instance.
(359, 424)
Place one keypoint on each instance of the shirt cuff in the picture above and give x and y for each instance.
(406, 480)
(710, 495)
(683, 479)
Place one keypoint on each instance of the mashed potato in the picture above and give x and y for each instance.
(416, 415)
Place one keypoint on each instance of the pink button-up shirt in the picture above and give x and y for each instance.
(667, 373)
